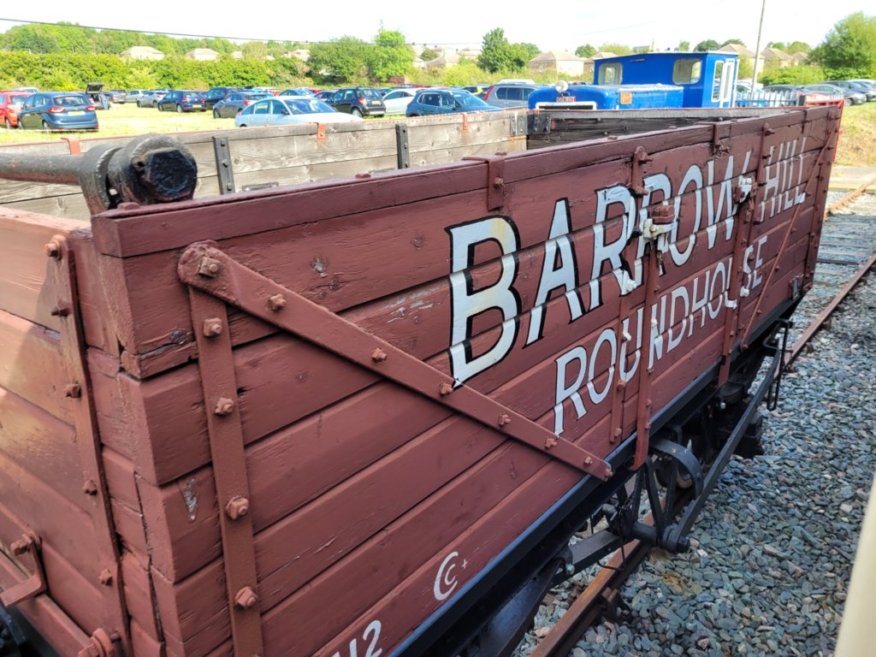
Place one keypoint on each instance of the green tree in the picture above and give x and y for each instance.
(797, 47)
(428, 54)
(390, 57)
(339, 60)
(616, 48)
(495, 51)
(255, 50)
(585, 51)
(849, 49)
(707, 45)
(737, 42)
(683, 46)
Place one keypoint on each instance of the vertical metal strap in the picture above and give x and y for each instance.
(77, 389)
(219, 383)
(402, 146)
(644, 405)
(224, 169)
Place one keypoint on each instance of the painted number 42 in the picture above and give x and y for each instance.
(370, 637)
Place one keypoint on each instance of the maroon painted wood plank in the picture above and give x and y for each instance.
(138, 596)
(31, 364)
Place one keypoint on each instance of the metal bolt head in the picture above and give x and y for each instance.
(209, 267)
(53, 250)
(550, 442)
(212, 327)
(224, 406)
(20, 546)
(106, 577)
(167, 174)
(276, 302)
(73, 390)
(378, 355)
(60, 311)
(237, 507)
(445, 389)
(89, 487)
(588, 460)
(504, 419)
(245, 598)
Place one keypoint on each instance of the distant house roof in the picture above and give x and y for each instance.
(602, 54)
(142, 52)
(203, 54)
(775, 53)
(553, 56)
(799, 58)
(737, 48)
(447, 58)
(302, 53)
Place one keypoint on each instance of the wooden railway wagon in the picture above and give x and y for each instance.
(363, 417)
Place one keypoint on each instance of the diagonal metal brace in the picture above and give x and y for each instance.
(207, 268)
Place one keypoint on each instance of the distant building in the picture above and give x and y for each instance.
(451, 57)
(739, 49)
(203, 55)
(302, 53)
(142, 52)
(775, 58)
(799, 58)
(558, 62)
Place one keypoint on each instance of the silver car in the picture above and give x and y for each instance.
(285, 110)
(510, 94)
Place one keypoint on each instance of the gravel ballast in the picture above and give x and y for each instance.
(773, 549)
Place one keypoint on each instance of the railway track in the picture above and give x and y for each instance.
(846, 254)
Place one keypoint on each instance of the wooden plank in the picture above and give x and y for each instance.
(23, 288)
(31, 365)
(138, 596)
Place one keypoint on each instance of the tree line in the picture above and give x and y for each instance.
(67, 56)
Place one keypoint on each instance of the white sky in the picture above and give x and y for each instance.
(561, 24)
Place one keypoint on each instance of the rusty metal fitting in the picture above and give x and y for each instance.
(237, 507)
(550, 442)
(106, 577)
(608, 472)
(276, 302)
(209, 267)
(588, 460)
(60, 311)
(224, 406)
(245, 598)
(498, 182)
(212, 327)
(504, 419)
(73, 390)
(101, 644)
(445, 389)
(53, 249)
(378, 355)
(89, 487)
(20, 546)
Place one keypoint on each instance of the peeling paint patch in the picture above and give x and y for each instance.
(191, 498)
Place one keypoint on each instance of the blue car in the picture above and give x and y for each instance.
(57, 111)
(446, 101)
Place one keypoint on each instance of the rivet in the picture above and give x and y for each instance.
(588, 461)
(549, 442)
(212, 327)
(245, 598)
(224, 406)
(89, 487)
(53, 250)
(106, 577)
(445, 389)
(378, 355)
(498, 182)
(209, 267)
(237, 507)
(504, 419)
(276, 302)
(73, 390)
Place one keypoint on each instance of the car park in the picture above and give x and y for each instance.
(177, 100)
(235, 102)
(216, 94)
(99, 98)
(285, 110)
(359, 101)
(856, 86)
(134, 95)
(446, 101)
(10, 106)
(326, 94)
(119, 96)
(150, 98)
(296, 91)
(57, 111)
(850, 96)
(510, 94)
(397, 100)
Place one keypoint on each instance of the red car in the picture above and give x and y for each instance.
(10, 104)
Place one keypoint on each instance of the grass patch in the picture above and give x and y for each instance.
(857, 143)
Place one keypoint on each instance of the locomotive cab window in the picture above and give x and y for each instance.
(687, 71)
(611, 74)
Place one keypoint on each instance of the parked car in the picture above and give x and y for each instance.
(850, 96)
(397, 100)
(98, 98)
(119, 96)
(217, 94)
(284, 110)
(27, 90)
(359, 101)
(868, 91)
(134, 95)
(234, 103)
(182, 101)
(478, 89)
(58, 110)
(297, 91)
(150, 98)
(446, 101)
(510, 94)
(326, 94)
(867, 86)
(10, 106)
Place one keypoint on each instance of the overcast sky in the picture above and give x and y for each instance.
(561, 24)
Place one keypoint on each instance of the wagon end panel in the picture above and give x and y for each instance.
(370, 388)
(58, 564)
